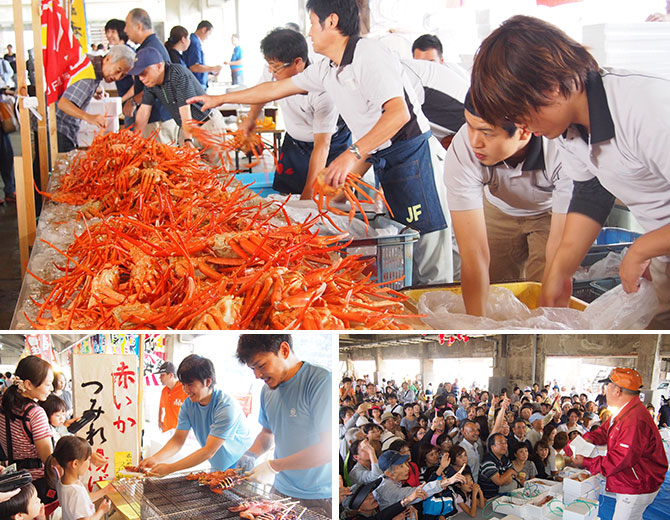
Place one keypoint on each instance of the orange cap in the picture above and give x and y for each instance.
(627, 378)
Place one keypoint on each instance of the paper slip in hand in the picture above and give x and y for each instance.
(581, 447)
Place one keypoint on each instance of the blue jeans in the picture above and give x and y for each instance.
(405, 171)
(294, 155)
(237, 76)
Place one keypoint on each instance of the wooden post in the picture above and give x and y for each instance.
(25, 240)
(23, 166)
(42, 141)
(140, 396)
(53, 135)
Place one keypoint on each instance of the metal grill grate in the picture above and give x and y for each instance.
(175, 498)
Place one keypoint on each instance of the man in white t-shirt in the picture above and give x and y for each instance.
(612, 126)
(508, 198)
(315, 134)
(378, 103)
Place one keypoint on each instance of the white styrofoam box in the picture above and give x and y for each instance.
(536, 509)
(569, 472)
(589, 488)
(585, 509)
(506, 505)
(546, 485)
(111, 107)
(634, 46)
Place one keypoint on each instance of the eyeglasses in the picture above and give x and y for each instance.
(274, 71)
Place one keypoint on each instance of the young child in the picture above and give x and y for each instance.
(56, 410)
(73, 454)
(25, 505)
(469, 495)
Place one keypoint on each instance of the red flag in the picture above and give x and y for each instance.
(64, 61)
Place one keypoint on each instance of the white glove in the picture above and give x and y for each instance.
(247, 461)
(263, 473)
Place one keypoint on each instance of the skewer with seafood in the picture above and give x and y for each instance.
(218, 480)
(262, 509)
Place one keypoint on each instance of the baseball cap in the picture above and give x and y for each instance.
(143, 59)
(627, 378)
(358, 494)
(391, 458)
(536, 417)
(527, 389)
(449, 413)
(386, 415)
(167, 368)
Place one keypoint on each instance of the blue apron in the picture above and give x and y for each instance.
(405, 171)
(293, 164)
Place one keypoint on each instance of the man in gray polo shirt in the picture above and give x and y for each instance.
(71, 108)
(508, 198)
(613, 128)
(171, 84)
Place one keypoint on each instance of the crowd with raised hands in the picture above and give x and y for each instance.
(407, 449)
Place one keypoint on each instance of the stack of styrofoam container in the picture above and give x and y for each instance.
(641, 47)
(111, 107)
(588, 488)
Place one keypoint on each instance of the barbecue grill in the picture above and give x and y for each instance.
(174, 497)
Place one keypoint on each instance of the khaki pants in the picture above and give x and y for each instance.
(168, 131)
(660, 276)
(517, 244)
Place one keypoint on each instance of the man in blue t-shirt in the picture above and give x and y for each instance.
(295, 414)
(235, 62)
(195, 57)
(215, 418)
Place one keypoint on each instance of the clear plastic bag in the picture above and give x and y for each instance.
(614, 310)
(607, 267)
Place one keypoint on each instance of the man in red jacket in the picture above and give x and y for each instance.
(635, 464)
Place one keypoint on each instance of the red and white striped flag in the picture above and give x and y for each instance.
(64, 61)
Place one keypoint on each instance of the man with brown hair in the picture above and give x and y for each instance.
(612, 127)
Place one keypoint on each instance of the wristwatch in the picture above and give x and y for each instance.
(354, 149)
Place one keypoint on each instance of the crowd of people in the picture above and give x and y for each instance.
(294, 458)
(449, 450)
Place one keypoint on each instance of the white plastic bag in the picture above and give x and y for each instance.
(617, 310)
(614, 310)
(607, 267)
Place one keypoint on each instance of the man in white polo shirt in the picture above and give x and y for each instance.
(315, 134)
(441, 93)
(611, 125)
(378, 103)
(508, 199)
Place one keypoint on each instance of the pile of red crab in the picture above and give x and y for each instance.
(171, 242)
